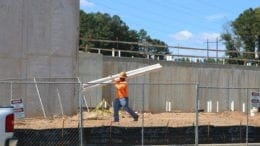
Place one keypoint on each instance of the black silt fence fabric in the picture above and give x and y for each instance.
(113, 135)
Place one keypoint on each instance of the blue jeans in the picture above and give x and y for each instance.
(118, 103)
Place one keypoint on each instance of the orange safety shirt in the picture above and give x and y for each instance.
(121, 89)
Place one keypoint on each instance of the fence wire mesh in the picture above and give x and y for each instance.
(232, 112)
(164, 110)
(46, 110)
(59, 112)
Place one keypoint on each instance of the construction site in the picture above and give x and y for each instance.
(170, 106)
(63, 96)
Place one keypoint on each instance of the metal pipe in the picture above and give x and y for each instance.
(247, 113)
(39, 96)
(11, 86)
(196, 116)
(80, 114)
(143, 117)
(61, 107)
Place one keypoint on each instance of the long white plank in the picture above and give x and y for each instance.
(130, 74)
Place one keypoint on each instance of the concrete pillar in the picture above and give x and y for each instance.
(39, 38)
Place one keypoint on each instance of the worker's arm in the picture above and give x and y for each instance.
(116, 81)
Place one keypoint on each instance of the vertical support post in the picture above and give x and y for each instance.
(247, 113)
(117, 43)
(217, 49)
(196, 116)
(85, 101)
(166, 106)
(143, 117)
(11, 86)
(207, 49)
(61, 107)
(39, 96)
(209, 106)
(244, 108)
(170, 106)
(119, 53)
(232, 106)
(146, 49)
(113, 52)
(217, 106)
(228, 96)
(80, 113)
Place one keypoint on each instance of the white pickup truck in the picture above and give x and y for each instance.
(7, 127)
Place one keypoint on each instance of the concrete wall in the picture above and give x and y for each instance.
(91, 68)
(156, 88)
(38, 38)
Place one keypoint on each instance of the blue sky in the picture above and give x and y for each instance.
(186, 23)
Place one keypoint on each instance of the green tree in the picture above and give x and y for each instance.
(152, 46)
(245, 34)
(209, 60)
(233, 46)
(245, 26)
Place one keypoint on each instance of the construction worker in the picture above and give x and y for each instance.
(121, 99)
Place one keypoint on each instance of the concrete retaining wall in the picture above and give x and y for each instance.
(164, 85)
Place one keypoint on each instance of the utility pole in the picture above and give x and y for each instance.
(217, 49)
(207, 50)
(217, 43)
(117, 43)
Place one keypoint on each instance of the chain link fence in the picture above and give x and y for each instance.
(239, 105)
(58, 112)
(180, 113)
(46, 110)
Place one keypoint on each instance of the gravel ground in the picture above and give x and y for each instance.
(173, 119)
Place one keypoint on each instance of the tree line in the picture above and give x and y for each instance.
(105, 27)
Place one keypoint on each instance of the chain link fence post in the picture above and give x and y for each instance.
(80, 114)
(196, 115)
(247, 111)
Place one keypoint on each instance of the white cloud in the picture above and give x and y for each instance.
(182, 35)
(215, 17)
(210, 36)
(196, 40)
(86, 3)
